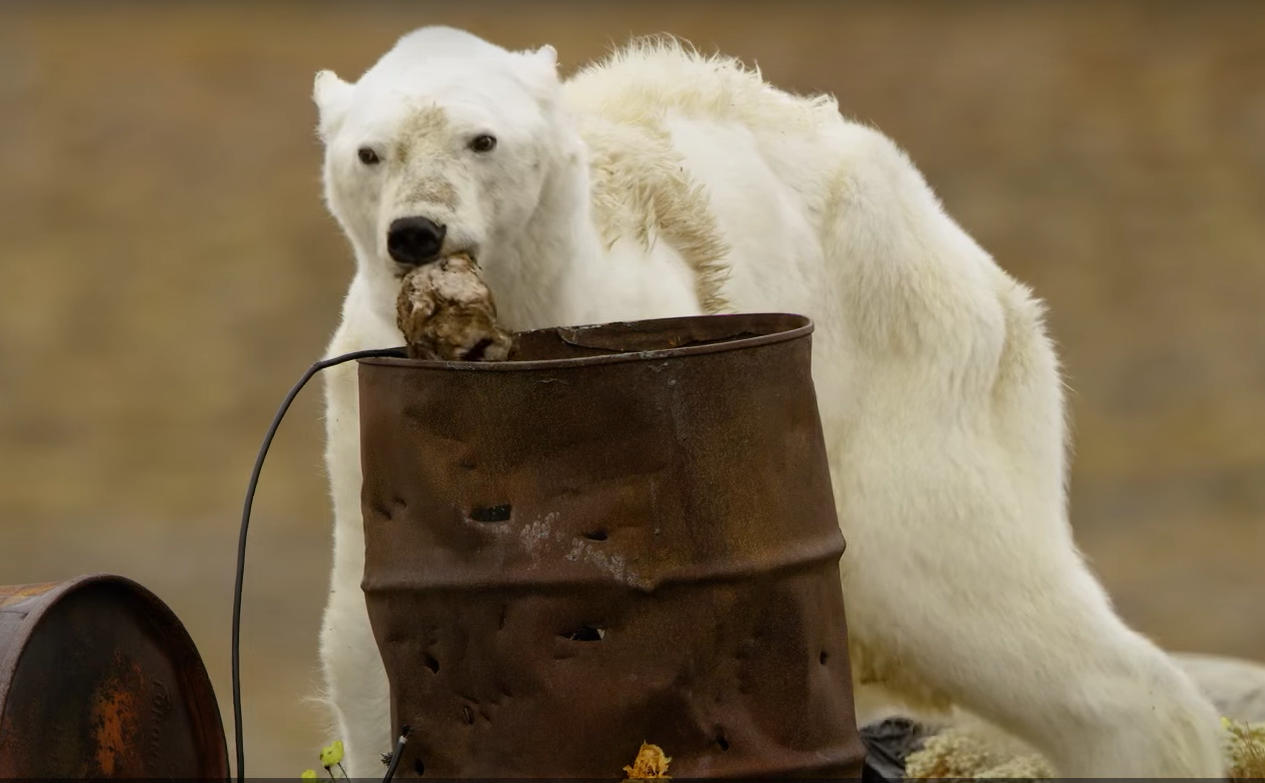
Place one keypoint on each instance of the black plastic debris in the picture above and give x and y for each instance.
(888, 743)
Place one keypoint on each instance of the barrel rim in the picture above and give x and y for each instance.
(804, 328)
(11, 652)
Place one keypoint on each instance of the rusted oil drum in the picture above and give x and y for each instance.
(624, 534)
(98, 679)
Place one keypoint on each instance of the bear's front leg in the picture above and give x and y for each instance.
(355, 682)
(356, 685)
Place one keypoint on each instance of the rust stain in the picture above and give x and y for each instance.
(16, 594)
(108, 715)
(115, 718)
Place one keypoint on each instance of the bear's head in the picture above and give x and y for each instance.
(443, 146)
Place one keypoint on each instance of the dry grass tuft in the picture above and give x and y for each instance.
(959, 754)
(1245, 750)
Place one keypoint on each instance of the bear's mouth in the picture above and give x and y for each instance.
(402, 270)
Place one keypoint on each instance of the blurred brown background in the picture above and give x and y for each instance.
(167, 270)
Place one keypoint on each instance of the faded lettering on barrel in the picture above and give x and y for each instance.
(158, 716)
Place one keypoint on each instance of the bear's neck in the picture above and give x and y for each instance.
(551, 274)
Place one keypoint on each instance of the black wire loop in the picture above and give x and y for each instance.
(241, 538)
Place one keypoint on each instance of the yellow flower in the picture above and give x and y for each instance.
(309, 774)
(332, 754)
(1226, 722)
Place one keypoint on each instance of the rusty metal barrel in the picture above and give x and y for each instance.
(626, 533)
(99, 679)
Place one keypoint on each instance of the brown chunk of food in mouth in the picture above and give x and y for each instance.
(447, 313)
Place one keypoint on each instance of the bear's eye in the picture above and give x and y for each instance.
(367, 156)
(484, 143)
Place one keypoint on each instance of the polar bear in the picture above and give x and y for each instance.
(661, 182)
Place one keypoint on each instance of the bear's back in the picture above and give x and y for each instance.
(650, 77)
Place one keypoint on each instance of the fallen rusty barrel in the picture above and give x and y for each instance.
(98, 679)
(626, 533)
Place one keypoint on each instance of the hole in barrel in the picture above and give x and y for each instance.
(498, 513)
(585, 633)
(419, 767)
(825, 656)
(596, 535)
(431, 663)
(722, 742)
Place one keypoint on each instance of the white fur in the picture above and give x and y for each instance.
(939, 391)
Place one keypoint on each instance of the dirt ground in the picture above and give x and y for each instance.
(168, 270)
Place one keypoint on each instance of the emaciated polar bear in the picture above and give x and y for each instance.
(661, 183)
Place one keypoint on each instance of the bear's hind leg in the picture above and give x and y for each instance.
(1043, 656)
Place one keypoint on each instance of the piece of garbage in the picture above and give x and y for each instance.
(446, 313)
(651, 762)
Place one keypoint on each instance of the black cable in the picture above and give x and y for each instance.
(241, 539)
(395, 755)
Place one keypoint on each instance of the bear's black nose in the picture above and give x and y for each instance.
(415, 240)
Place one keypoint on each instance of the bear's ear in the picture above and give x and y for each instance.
(330, 94)
(542, 64)
(547, 56)
(540, 73)
(329, 90)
